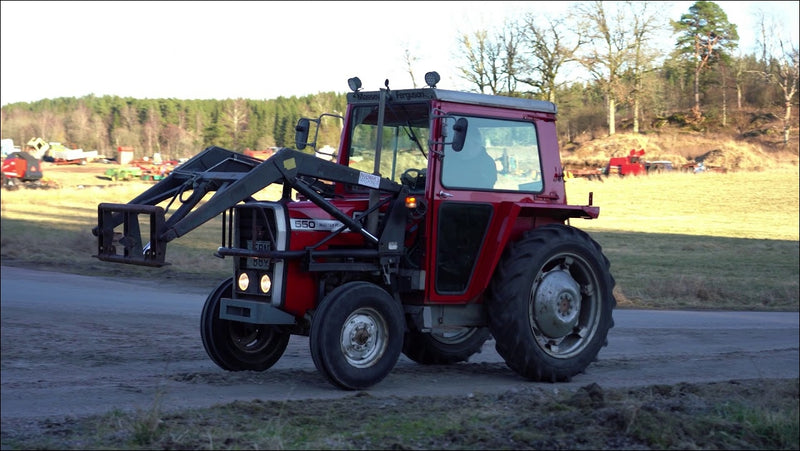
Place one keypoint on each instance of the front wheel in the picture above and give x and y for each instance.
(443, 348)
(356, 335)
(237, 346)
(551, 303)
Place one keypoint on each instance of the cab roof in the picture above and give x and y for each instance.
(471, 98)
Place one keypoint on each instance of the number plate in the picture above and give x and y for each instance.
(258, 263)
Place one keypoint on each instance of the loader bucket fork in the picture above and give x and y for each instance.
(211, 170)
(130, 241)
(233, 178)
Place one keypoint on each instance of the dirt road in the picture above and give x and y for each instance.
(75, 345)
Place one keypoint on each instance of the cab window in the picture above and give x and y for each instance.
(498, 154)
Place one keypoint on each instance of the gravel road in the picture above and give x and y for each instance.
(75, 345)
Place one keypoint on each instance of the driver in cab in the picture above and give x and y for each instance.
(472, 167)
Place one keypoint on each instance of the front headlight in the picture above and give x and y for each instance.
(265, 283)
(243, 281)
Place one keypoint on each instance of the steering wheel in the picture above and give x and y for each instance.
(412, 177)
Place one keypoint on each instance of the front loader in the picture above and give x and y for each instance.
(405, 243)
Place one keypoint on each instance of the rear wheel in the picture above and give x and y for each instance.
(442, 348)
(551, 303)
(356, 335)
(237, 346)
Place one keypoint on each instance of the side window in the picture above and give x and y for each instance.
(497, 155)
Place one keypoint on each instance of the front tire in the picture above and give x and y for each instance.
(356, 335)
(444, 348)
(551, 303)
(237, 346)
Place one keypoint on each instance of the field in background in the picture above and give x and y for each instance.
(757, 205)
(683, 240)
(675, 240)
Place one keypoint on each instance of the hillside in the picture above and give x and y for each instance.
(756, 146)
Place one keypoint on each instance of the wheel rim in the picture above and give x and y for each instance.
(248, 338)
(564, 308)
(364, 338)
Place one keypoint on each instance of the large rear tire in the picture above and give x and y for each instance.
(237, 346)
(444, 348)
(356, 335)
(551, 303)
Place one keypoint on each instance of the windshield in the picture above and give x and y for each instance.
(404, 143)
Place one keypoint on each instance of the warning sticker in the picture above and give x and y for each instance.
(370, 180)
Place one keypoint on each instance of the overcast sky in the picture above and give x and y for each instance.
(260, 50)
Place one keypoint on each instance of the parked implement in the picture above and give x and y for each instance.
(61, 154)
(632, 164)
(124, 173)
(411, 241)
(21, 169)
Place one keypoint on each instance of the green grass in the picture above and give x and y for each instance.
(704, 241)
(723, 415)
(757, 205)
(676, 240)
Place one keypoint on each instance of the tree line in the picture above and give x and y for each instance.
(174, 128)
(628, 84)
(619, 45)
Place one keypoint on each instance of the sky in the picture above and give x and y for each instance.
(263, 50)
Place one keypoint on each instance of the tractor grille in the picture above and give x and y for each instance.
(259, 229)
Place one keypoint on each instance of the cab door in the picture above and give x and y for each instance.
(467, 211)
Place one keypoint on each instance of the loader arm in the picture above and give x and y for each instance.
(233, 178)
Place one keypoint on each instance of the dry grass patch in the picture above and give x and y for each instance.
(682, 147)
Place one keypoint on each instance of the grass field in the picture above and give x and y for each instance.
(675, 240)
(682, 240)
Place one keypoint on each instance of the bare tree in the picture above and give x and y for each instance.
(170, 139)
(787, 75)
(781, 68)
(484, 61)
(410, 60)
(152, 130)
(49, 127)
(235, 117)
(549, 48)
(765, 34)
(611, 46)
(739, 68)
(77, 124)
(645, 24)
(129, 132)
(510, 41)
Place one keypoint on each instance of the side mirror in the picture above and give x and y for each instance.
(460, 129)
(301, 133)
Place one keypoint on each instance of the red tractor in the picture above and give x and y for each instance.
(411, 241)
(21, 168)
